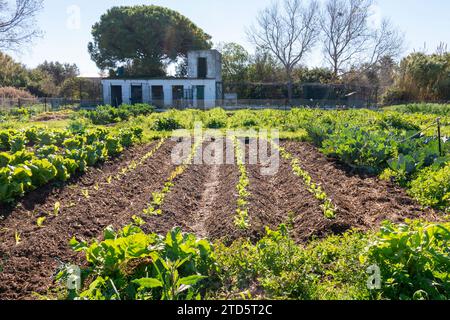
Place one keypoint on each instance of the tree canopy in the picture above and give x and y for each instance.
(235, 62)
(144, 39)
(46, 80)
(60, 72)
(422, 77)
(12, 73)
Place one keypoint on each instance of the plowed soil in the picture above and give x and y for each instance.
(29, 266)
(202, 200)
(363, 202)
(283, 198)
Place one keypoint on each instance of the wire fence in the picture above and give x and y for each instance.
(40, 105)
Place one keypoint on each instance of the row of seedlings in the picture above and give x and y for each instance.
(157, 201)
(327, 206)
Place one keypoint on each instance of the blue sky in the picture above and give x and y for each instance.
(66, 40)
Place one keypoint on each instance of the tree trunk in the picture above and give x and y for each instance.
(289, 86)
(335, 69)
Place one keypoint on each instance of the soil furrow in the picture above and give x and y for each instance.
(202, 201)
(205, 212)
(29, 266)
(362, 201)
(283, 198)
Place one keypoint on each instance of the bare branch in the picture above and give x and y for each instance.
(350, 41)
(17, 25)
(288, 32)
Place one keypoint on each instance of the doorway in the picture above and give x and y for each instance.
(177, 96)
(200, 96)
(136, 94)
(158, 96)
(116, 96)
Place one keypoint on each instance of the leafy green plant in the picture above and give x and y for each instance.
(432, 188)
(42, 171)
(166, 124)
(414, 259)
(113, 145)
(365, 149)
(46, 151)
(215, 119)
(14, 182)
(54, 155)
(241, 220)
(107, 114)
(130, 264)
(281, 269)
(126, 138)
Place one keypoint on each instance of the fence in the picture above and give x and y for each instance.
(315, 95)
(284, 104)
(39, 105)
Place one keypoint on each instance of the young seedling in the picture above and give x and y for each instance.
(327, 206)
(40, 221)
(56, 209)
(241, 220)
(158, 197)
(17, 237)
(138, 221)
(85, 193)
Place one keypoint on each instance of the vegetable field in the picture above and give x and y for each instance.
(353, 189)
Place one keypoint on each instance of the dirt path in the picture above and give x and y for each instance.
(362, 202)
(202, 201)
(29, 266)
(205, 212)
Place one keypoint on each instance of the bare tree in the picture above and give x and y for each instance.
(17, 25)
(442, 49)
(288, 32)
(349, 39)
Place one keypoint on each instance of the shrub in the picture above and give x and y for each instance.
(432, 188)
(395, 96)
(414, 260)
(166, 124)
(14, 93)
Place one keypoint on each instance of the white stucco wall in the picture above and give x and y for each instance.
(210, 89)
(213, 60)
